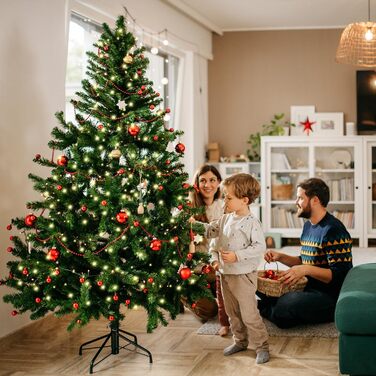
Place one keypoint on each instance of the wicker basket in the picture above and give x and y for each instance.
(275, 288)
(282, 192)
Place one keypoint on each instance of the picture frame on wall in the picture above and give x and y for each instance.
(298, 115)
(328, 124)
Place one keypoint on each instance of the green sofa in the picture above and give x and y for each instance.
(355, 319)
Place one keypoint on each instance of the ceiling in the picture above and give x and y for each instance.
(237, 15)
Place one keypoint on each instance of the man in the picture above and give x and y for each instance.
(325, 259)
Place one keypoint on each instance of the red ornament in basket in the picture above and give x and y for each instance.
(269, 284)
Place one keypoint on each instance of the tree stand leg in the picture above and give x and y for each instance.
(115, 335)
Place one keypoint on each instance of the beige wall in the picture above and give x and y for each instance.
(256, 74)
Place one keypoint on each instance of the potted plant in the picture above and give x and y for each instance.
(277, 127)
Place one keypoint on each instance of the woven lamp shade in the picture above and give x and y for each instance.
(353, 47)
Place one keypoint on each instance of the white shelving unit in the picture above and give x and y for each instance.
(286, 161)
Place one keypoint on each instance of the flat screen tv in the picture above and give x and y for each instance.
(366, 101)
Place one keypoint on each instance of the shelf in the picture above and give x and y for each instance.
(335, 170)
(290, 171)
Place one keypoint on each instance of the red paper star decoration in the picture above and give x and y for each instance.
(307, 125)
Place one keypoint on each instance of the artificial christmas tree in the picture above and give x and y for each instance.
(111, 230)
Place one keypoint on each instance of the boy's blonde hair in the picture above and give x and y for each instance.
(244, 185)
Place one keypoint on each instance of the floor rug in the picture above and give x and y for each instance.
(327, 330)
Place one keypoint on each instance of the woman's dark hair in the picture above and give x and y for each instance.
(316, 187)
(195, 196)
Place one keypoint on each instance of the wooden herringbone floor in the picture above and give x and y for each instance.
(46, 348)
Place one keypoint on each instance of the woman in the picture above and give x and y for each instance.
(207, 194)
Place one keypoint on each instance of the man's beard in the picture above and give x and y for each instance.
(306, 212)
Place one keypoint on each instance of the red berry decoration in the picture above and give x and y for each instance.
(167, 110)
(193, 305)
(104, 203)
(82, 279)
(100, 126)
(62, 160)
(48, 279)
(150, 279)
(127, 302)
(208, 286)
(189, 256)
(152, 107)
(53, 254)
(121, 171)
(156, 245)
(11, 238)
(139, 92)
(136, 223)
(30, 220)
(143, 87)
(155, 138)
(100, 283)
(25, 271)
(10, 249)
(171, 130)
(206, 269)
(38, 300)
(134, 130)
(14, 313)
(75, 305)
(115, 297)
(9, 227)
(59, 187)
(37, 157)
(83, 208)
(106, 47)
(111, 318)
(180, 207)
(180, 148)
(186, 186)
(139, 72)
(145, 291)
(168, 162)
(57, 271)
(185, 273)
(122, 217)
(160, 188)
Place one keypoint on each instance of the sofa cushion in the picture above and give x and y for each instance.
(356, 306)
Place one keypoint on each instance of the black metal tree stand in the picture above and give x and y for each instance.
(115, 334)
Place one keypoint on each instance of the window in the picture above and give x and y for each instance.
(83, 33)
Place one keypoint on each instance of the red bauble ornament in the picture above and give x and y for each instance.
(139, 92)
(186, 186)
(82, 279)
(10, 249)
(106, 47)
(25, 271)
(160, 188)
(62, 160)
(171, 130)
(57, 271)
(180, 148)
(75, 305)
(11, 238)
(14, 313)
(143, 87)
(156, 245)
(168, 162)
(158, 94)
(48, 279)
(37, 157)
(206, 269)
(136, 223)
(150, 279)
(193, 305)
(100, 126)
(145, 291)
(180, 207)
(121, 171)
(155, 138)
(100, 283)
(53, 254)
(189, 256)
(152, 107)
(139, 72)
(167, 110)
(127, 302)
(38, 300)
(104, 203)
(208, 286)
(30, 220)
(9, 227)
(176, 238)
(115, 297)
(134, 130)
(122, 217)
(83, 208)
(185, 273)
(59, 187)
(111, 318)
